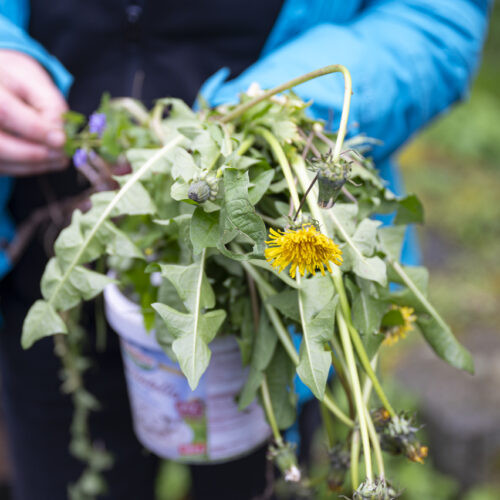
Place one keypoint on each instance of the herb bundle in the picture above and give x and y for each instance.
(258, 220)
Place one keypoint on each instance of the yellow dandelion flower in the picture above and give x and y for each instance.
(305, 248)
(393, 334)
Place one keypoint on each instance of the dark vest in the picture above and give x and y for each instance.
(143, 48)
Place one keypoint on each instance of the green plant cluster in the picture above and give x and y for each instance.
(196, 207)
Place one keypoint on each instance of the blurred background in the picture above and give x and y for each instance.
(454, 167)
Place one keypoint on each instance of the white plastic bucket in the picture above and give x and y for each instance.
(201, 426)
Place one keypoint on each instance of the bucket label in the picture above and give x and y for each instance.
(197, 426)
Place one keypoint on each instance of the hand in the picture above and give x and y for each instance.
(31, 133)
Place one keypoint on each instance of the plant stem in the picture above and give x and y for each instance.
(304, 197)
(355, 445)
(347, 390)
(245, 145)
(327, 422)
(333, 68)
(358, 398)
(371, 428)
(330, 404)
(358, 343)
(268, 407)
(282, 160)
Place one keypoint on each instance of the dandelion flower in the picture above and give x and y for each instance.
(305, 248)
(393, 334)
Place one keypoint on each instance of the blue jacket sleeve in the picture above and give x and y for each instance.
(409, 60)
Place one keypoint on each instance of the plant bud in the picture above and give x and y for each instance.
(331, 178)
(199, 191)
(203, 188)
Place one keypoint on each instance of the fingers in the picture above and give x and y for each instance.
(16, 149)
(20, 119)
(28, 169)
(25, 78)
(45, 98)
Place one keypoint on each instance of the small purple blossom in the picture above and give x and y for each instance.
(97, 123)
(80, 157)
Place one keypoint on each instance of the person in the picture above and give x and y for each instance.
(409, 60)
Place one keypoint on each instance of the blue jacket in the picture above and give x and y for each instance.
(409, 60)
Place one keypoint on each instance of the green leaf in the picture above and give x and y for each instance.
(70, 240)
(265, 344)
(259, 186)
(179, 190)
(283, 276)
(287, 303)
(195, 329)
(191, 284)
(207, 149)
(81, 284)
(317, 303)
(239, 213)
(184, 166)
(445, 345)
(346, 215)
(137, 157)
(370, 268)
(204, 230)
(365, 236)
(193, 333)
(367, 310)
(409, 211)
(280, 374)
(435, 330)
(41, 321)
(391, 240)
(419, 276)
(117, 242)
(135, 200)
(393, 317)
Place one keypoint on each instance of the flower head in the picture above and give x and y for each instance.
(80, 157)
(97, 123)
(396, 332)
(305, 248)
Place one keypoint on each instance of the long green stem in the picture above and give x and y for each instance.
(355, 447)
(282, 160)
(371, 428)
(356, 388)
(245, 145)
(328, 424)
(268, 407)
(358, 343)
(333, 68)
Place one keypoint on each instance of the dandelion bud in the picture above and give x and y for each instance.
(378, 489)
(203, 188)
(332, 175)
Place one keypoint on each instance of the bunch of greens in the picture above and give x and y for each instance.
(257, 219)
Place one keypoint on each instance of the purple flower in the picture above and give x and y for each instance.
(80, 157)
(97, 123)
